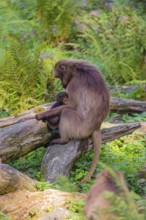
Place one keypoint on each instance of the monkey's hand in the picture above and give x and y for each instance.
(41, 116)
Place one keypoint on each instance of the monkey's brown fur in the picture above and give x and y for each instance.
(53, 122)
(97, 202)
(87, 105)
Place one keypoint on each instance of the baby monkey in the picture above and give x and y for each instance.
(53, 122)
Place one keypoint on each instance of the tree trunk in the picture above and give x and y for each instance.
(12, 180)
(19, 139)
(127, 89)
(49, 204)
(126, 105)
(59, 159)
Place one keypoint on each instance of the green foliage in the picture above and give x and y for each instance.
(19, 78)
(4, 216)
(138, 93)
(41, 186)
(76, 209)
(62, 183)
(57, 16)
(126, 154)
(30, 164)
(116, 38)
(131, 117)
(135, 117)
(3, 114)
(26, 58)
(124, 209)
(38, 19)
(23, 76)
(125, 205)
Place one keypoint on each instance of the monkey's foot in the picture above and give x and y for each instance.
(58, 141)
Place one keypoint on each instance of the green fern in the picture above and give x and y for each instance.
(116, 38)
(38, 20)
(23, 77)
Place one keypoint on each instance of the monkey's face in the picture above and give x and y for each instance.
(62, 97)
(62, 71)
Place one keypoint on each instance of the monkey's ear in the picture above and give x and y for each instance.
(62, 67)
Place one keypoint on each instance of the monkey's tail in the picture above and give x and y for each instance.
(96, 137)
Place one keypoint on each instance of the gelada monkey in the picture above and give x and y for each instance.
(86, 107)
(98, 206)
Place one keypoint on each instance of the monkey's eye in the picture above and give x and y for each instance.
(62, 67)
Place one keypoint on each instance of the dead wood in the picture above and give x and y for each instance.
(49, 204)
(12, 180)
(127, 89)
(126, 105)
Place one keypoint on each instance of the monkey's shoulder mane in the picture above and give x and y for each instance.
(91, 77)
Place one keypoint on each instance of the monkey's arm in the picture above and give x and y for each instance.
(51, 113)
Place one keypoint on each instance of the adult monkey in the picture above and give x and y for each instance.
(86, 107)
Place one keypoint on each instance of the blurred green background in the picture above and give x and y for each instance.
(35, 34)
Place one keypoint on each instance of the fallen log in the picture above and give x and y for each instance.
(127, 89)
(49, 204)
(23, 117)
(12, 180)
(59, 159)
(126, 105)
(20, 135)
(18, 139)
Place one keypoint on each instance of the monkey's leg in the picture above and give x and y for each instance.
(71, 126)
(59, 141)
(54, 121)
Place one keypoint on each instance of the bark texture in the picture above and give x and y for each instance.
(49, 204)
(126, 105)
(127, 89)
(12, 180)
